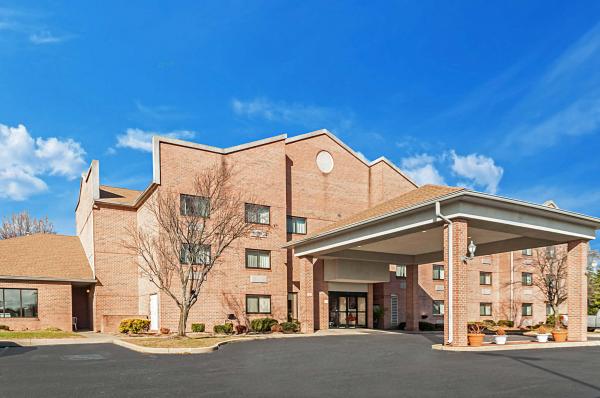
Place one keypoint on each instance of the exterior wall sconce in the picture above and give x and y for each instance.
(472, 247)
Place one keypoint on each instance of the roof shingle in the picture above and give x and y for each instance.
(44, 256)
(406, 200)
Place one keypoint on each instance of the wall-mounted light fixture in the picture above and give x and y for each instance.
(472, 247)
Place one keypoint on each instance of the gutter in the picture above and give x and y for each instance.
(450, 312)
(45, 279)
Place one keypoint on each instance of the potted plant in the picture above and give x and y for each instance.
(542, 334)
(378, 314)
(475, 334)
(500, 337)
(558, 333)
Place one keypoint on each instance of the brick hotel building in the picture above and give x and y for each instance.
(302, 185)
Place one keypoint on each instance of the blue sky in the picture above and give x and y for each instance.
(503, 98)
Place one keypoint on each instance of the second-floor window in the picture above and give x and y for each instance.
(527, 252)
(258, 259)
(526, 309)
(296, 225)
(438, 272)
(527, 278)
(195, 254)
(551, 252)
(258, 214)
(400, 271)
(191, 205)
(485, 278)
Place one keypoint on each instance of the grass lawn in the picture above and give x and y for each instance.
(176, 342)
(36, 334)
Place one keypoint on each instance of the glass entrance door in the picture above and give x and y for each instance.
(347, 310)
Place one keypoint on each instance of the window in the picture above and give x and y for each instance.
(485, 309)
(550, 252)
(258, 259)
(296, 225)
(257, 214)
(292, 307)
(485, 278)
(394, 310)
(18, 303)
(549, 310)
(195, 254)
(191, 205)
(438, 272)
(256, 304)
(526, 278)
(438, 307)
(527, 252)
(526, 309)
(400, 271)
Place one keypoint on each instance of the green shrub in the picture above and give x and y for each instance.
(4, 327)
(489, 322)
(506, 323)
(262, 325)
(134, 325)
(198, 327)
(551, 320)
(226, 328)
(402, 325)
(290, 327)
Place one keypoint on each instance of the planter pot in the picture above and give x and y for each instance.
(542, 338)
(500, 339)
(560, 336)
(475, 340)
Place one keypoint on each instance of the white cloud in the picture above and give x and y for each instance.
(478, 169)
(46, 37)
(24, 161)
(422, 170)
(142, 140)
(295, 113)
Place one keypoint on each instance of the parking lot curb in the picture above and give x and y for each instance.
(520, 346)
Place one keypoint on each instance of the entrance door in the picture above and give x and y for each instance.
(154, 312)
(347, 310)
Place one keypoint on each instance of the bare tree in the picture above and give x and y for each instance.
(22, 224)
(551, 267)
(188, 235)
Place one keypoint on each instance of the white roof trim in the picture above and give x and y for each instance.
(353, 152)
(156, 140)
(452, 195)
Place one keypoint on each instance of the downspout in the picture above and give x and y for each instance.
(449, 310)
(512, 281)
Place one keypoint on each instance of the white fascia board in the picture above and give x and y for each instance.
(156, 140)
(352, 151)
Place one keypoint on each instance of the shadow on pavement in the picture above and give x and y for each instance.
(10, 348)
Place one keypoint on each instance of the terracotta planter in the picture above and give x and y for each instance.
(475, 340)
(559, 336)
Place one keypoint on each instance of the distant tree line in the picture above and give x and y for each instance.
(22, 224)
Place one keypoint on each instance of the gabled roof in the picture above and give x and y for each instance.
(412, 198)
(44, 257)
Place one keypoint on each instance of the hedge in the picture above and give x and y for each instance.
(134, 325)
(226, 328)
(262, 325)
(198, 327)
(290, 327)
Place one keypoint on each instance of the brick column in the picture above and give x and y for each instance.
(577, 290)
(412, 298)
(370, 306)
(306, 296)
(459, 285)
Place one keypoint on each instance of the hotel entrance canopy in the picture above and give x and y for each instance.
(409, 229)
(437, 223)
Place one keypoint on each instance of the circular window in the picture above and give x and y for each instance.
(325, 161)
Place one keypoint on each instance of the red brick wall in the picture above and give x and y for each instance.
(54, 306)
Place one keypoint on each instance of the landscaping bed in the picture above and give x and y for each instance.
(177, 342)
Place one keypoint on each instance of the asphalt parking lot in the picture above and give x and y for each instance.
(374, 365)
